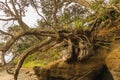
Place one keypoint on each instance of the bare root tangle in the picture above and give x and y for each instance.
(10, 68)
(86, 48)
(78, 46)
(67, 52)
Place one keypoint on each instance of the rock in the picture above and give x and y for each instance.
(27, 72)
(103, 65)
(90, 69)
(113, 61)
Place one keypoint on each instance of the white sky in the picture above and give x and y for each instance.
(8, 57)
(30, 19)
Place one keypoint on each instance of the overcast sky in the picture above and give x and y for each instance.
(30, 19)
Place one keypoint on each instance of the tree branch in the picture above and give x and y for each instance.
(7, 46)
(5, 33)
(43, 17)
(15, 10)
(35, 32)
(19, 17)
(55, 12)
(8, 19)
(27, 52)
(11, 12)
(39, 13)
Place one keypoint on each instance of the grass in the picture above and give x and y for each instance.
(39, 59)
(31, 64)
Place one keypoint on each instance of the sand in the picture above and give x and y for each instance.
(25, 74)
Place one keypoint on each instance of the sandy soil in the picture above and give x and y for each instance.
(25, 74)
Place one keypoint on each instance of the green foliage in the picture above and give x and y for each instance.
(115, 1)
(1, 43)
(69, 15)
(65, 18)
(14, 29)
(32, 61)
(77, 24)
(23, 47)
(41, 58)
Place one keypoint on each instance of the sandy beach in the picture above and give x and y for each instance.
(25, 74)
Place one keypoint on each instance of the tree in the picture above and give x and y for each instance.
(86, 28)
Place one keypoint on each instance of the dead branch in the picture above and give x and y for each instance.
(60, 44)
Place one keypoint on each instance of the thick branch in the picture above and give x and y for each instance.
(48, 33)
(10, 42)
(45, 32)
(13, 39)
(55, 12)
(27, 52)
(7, 46)
(49, 46)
